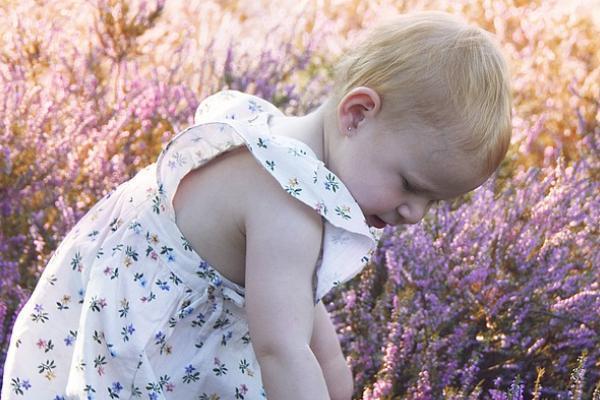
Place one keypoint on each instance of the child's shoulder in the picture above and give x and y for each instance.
(248, 189)
(212, 211)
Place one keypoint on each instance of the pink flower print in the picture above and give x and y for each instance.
(76, 264)
(149, 298)
(221, 369)
(241, 391)
(321, 208)
(97, 304)
(46, 345)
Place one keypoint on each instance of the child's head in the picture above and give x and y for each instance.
(432, 67)
(431, 71)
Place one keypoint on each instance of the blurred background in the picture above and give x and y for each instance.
(495, 295)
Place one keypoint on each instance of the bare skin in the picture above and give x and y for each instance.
(212, 217)
(207, 215)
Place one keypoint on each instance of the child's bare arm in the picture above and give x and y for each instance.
(326, 347)
(283, 238)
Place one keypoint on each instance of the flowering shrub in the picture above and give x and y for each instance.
(474, 301)
(484, 290)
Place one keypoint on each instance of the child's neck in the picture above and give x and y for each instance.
(308, 129)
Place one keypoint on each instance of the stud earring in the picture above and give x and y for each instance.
(349, 128)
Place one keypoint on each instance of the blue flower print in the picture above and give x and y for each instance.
(164, 285)
(254, 107)
(39, 315)
(331, 183)
(127, 331)
(113, 391)
(177, 160)
(69, 340)
(262, 142)
(18, 385)
(191, 375)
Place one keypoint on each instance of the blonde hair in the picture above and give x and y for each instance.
(434, 68)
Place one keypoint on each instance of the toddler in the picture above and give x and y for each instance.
(201, 277)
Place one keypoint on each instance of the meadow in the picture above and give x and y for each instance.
(494, 295)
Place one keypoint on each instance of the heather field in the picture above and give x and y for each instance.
(495, 295)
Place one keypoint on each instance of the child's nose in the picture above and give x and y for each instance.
(413, 212)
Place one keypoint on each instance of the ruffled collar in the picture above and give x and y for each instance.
(227, 106)
(229, 119)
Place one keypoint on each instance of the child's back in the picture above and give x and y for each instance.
(208, 205)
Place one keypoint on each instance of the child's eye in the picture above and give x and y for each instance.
(405, 184)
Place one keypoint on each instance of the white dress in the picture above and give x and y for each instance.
(127, 309)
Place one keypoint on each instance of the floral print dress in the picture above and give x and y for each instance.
(126, 309)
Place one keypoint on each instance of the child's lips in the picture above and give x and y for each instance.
(375, 221)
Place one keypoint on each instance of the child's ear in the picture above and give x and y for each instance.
(359, 103)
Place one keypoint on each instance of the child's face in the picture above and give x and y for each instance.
(397, 175)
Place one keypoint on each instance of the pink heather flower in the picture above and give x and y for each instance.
(381, 388)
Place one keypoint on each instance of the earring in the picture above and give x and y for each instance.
(349, 128)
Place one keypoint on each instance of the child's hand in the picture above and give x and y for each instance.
(326, 347)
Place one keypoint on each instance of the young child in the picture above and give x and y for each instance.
(201, 277)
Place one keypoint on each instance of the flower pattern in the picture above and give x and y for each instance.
(126, 308)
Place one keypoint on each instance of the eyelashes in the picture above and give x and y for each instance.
(406, 185)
